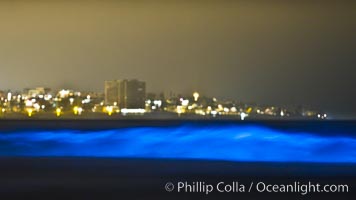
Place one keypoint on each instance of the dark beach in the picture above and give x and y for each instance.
(105, 178)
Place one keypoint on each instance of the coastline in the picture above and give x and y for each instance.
(325, 127)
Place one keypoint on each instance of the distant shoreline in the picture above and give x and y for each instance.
(153, 115)
(325, 127)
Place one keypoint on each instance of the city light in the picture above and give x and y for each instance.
(180, 110)
(71, 100)
(214, 112)
(80, 110)
(37, 107)
(41, 100)
(109, 110)
(28, 103)
(77, 110)
(58, 112)
(196, 96)
(157, 103)
(63, 93)
(249, 110)
(200, 112)
(9, 96)
(185, 102)
(29, 112)
(48, 97)
(243, 115)
(133, 111)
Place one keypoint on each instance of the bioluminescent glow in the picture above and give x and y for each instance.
(233, 143)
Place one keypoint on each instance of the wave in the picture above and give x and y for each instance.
(214, 142)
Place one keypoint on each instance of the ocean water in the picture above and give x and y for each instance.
(233, 142)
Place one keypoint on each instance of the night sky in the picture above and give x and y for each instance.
(279, 52)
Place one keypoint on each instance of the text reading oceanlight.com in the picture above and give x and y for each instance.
(261, 187)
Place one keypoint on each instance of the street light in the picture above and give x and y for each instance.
(29, 112)
(58, 112)
(196, 96)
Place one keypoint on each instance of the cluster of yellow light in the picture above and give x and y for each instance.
(200, 112)
(180, 110)
(64, 93)
(29, 112)
(77, 110)
(58, 112)
(109, 110)
(249, 110)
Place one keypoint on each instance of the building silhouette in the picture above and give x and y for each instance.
(125, 93)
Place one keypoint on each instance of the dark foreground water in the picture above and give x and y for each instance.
(215, 141)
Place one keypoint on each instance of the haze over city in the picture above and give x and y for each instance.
(299, 53)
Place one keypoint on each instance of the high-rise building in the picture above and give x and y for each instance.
(112, 92)
(33, 92)
(125, 93)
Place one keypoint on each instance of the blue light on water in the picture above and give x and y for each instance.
(233, 143)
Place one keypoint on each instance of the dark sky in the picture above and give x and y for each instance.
(258, 51)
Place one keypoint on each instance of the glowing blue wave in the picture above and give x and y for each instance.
(234, 143)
